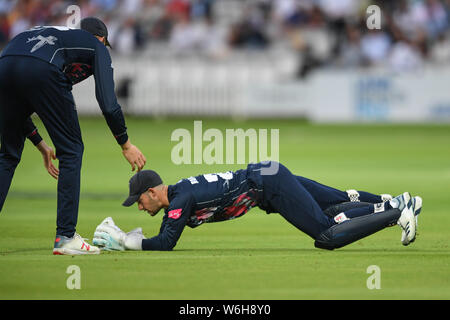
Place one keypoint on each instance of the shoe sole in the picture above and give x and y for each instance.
(407, 199)
(72, 252)
(417, 205)
(417, 210)
(407, 202)
(410, 225)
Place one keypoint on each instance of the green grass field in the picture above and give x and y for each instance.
(258, 256)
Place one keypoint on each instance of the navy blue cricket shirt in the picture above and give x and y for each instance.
(206, 198)
(69, 50)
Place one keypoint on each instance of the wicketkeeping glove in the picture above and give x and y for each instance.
(133, 239)
(108, 236)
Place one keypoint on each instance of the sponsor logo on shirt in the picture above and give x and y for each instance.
(175, 214)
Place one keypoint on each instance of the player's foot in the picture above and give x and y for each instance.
(400, 202)
(112, 244)
(417, 203)
(417, 208)
(73, 246)
(385, 197)
(407, 220)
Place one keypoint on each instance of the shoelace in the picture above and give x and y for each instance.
(82, 239)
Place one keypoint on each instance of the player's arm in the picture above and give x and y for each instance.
(173, 224)
(108, 236)
(133, 155)
(31, 132)
(106, 98)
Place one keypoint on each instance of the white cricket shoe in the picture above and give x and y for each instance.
(417, 203)
(73, 246)
(417, 208)
(407, 220)
(401, 202)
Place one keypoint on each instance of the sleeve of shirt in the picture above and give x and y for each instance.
(106, 97)
(172, 226)
(31, 132)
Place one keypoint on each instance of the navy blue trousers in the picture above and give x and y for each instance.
(29, 85)
(301, 201)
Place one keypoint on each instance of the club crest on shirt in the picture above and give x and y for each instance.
(42, 41)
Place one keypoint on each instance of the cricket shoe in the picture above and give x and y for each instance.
(407, 220)
(401, 202)
(417, 208)
(417, 203)
(73, 246)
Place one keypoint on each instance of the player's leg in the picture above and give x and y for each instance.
(12, 118)
(328, 196)
(12, 143)
(352, 225)
(355, 229)
(69, 152)
(54, 104)
(333, 201)
(284, 194)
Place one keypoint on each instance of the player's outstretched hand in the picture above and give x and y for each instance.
(134, 156)
(133, 239)
(108, 236)
(48, 155)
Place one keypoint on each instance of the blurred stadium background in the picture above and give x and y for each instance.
(265, 58)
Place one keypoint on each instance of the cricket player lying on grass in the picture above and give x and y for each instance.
(333, 218)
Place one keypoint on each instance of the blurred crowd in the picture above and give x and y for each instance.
(321, 32)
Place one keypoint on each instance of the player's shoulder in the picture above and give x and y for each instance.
(65, 35)
(52, 30)
(82, 37)
(180, 198)
(181, 191)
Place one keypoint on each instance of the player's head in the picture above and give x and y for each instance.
(147, 189)
(96, 27)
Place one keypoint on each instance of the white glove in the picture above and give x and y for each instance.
(108, 236)
(133, 239)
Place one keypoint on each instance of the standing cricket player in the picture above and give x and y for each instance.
(37, 70)
(333, 218)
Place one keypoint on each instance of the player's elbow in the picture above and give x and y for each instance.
(110, 113)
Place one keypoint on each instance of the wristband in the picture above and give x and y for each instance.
(35, 137)
(121, 138)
